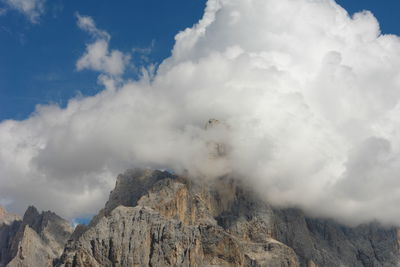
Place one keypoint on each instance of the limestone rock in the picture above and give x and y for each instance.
(129, 187)
(154, 218)
(172, 223)
(35, 241)
(326, 243)
(7, 235)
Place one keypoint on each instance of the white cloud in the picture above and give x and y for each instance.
(32, 9)
(310, 96)
(87, 24)
(97, 56)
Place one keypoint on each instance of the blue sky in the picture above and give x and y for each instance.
(37, 59)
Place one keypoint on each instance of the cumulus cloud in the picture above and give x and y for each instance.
(97, 56)
(310, 96)
(32, 9)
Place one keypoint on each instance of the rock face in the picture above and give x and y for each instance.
(35, 241)
(9, 225)
(173, 222)
(154, 218)
(326, 243)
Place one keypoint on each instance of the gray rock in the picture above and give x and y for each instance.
(173, 223)
(9, 225)
(154, 218)
(35, 241)
(327, 243)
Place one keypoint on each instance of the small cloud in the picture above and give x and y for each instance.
(98, 57)
(87, 24)
(145, 50)
(143, 53)
(32, 9)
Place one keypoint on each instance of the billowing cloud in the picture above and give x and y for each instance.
(309, 97)
(97, 56)
(32, 9)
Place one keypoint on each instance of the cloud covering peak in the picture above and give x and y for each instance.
(310, 94)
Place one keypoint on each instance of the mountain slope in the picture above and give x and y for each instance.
(171, 224)
(36, 240)
(154, 218)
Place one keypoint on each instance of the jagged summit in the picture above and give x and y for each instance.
(30, 215)
(155, 218)
(129, 187)
(35, 240)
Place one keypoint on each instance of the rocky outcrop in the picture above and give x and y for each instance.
(154, 218)
(326, 243)
(9, 225)
(173, 223)
(35, 241)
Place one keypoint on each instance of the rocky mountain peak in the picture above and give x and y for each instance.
(155, 218)
(129, 187)
(35, 241)
(175, 221)
(31, 215)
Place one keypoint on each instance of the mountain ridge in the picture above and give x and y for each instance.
(155, 218)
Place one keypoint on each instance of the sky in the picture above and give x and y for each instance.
(37, 58)
(307, 95)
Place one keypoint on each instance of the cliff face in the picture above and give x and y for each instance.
(36, 240)
(154, 218)
(327, 243)
(171, 223)
(9, 225)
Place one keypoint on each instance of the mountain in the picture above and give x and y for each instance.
(36, 240)
(155, 218)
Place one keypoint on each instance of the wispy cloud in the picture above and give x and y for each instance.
(32, 9)
(3, 11)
